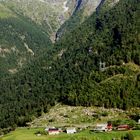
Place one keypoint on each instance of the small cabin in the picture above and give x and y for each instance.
(123, 127)
(53, 131)
(47, 128)
(101, 127)
(71, 130)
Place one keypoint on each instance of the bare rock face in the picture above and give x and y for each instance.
(88, 5)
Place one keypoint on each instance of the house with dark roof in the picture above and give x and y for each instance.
(53, 131)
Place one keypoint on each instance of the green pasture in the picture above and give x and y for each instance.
(4, 12)
(29, 134)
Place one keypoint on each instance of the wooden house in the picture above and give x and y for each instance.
(53, 131)
(71, 130)
(123, 127)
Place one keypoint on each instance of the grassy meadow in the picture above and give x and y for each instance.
(29, 134)
(5, 12)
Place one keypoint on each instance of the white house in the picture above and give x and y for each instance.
(101, 127)
(71, 130)
(46, 129)
(139, 121)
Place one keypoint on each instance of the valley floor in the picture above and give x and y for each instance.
(29, 134)
(83, 119)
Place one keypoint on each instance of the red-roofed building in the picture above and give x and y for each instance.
(109, 127)
(53, 131)
(123, 127)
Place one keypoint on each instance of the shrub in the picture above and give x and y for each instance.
(104, 114)
(128, 136)
(51, 120)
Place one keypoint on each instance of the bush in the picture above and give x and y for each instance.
(41, 132)
(130, 136)
(104, 114)
(51, 120)
(137, 127)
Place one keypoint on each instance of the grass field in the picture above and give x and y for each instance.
(29, 134)
(5, 12)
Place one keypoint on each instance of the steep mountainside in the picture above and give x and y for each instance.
(20, 41)
(27, 25)
(83, 9)
(51, 14)
(93, 63)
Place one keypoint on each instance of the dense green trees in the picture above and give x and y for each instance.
(70, 71)
(20, 41)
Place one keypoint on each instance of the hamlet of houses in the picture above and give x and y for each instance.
(105, 127)
(55, 131)
(72, 130)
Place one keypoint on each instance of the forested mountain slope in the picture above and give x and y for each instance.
(91, 65)
(20, 41)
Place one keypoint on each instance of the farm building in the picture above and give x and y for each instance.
(53, 131)
(100, 127)
(103, 127)
(109, 126)
(71, 130)
(49, 127)
(123, 127)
